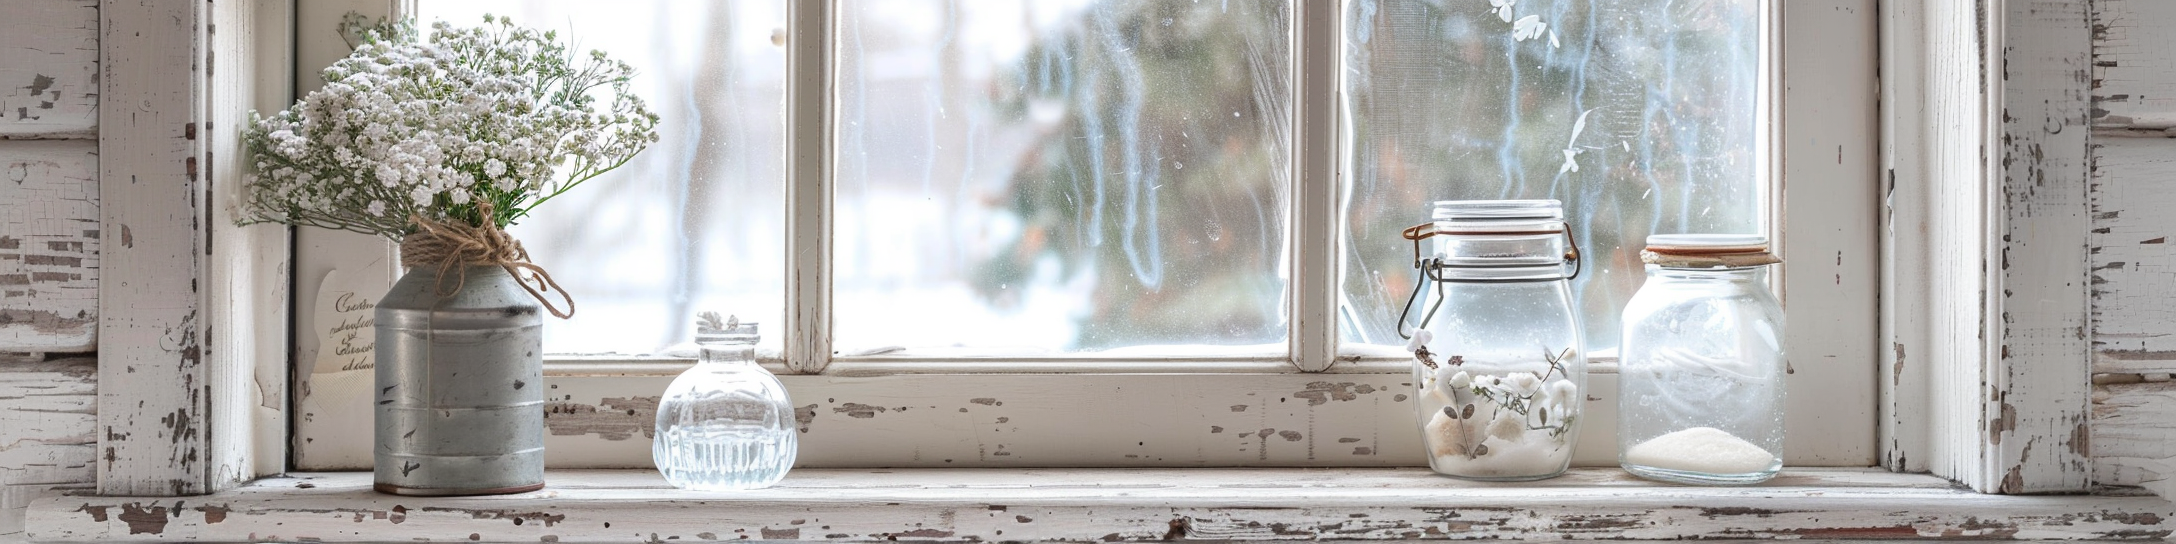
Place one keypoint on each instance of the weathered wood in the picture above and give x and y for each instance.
(49, 245)
(154, 405)
(245, 276)
(1832, 272)
(811, 118)
(46, 432)
(1109, 505)
(1985, 277)
(2134, 254)
(2134, 69)
(2039, 382)
(870, 414)
(49, 69)
(2134, 435)
(1935, 299)
(1906, 425)
(15, 501)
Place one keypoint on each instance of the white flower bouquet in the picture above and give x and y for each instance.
(447, 139)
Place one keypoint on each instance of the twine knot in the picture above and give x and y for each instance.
(453, 246)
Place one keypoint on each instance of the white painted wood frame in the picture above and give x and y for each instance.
(1985, 267)
(1300, 408)
(185, 312)
(1132, 505)
(811, 111)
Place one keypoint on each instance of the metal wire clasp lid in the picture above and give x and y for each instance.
(1431, 268)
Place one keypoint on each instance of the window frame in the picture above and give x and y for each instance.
(1214, 390)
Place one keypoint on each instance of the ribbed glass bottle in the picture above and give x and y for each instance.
(727, 423)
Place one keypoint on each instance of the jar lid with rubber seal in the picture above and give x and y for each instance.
(1702, 251)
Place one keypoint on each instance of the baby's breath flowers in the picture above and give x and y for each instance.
(472, 125)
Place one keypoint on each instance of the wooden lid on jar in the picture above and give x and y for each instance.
(1708, 251)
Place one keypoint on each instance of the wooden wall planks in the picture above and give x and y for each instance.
(47, 420)
(2134, 254)
(2132, 257)
(49, 251)
(49, 247)
(49, 69)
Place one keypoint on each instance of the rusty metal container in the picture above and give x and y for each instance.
(460, 396)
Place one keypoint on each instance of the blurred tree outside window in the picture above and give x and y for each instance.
(1110, 177)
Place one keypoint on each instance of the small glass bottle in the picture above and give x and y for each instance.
(727, 423)
(1501, 371)
(1702, 363)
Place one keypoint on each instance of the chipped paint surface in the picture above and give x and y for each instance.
(49, 69)
(2132, 432)
(49, 247)
(1124, 505)
(46, 431)
(2037, 379)
(616, 418)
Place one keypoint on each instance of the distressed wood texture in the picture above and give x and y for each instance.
(154, 409)
(2039, 383)
(1905, 429)
(2134, 435)
(1984, 275)
(2134, 64)
(1024, 420)
(2134, 201)
(1827, 231)
(49, 69)
(2133, 261)
(246, 276)
(1935, 273)
(974, 505)
(49, 250)
(47, 430)
(189, 302)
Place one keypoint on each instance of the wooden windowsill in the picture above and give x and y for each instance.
(1109, 505)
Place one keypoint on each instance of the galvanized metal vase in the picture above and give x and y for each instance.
(460, 403)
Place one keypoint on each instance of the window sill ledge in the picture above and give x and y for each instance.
(1109, 505)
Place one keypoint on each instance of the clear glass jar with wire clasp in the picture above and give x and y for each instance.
(1499, 364)
(1702, 371)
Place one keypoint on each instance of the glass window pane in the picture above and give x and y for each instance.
(1061, 177)
(695, 222)
(1640, 115)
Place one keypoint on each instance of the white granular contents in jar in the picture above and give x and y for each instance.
(1701, 449)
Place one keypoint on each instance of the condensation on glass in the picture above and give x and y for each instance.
(1641, 116)
(697, 220)
(1061, 177)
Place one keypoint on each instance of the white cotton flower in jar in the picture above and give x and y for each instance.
(1508, 426)
(1420, 339)
(1524, 384)
(1564, 392)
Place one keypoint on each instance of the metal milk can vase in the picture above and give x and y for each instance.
(460, 396)
(1499, 364)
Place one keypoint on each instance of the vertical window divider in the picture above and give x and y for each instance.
(1315, 177)
(810, 110)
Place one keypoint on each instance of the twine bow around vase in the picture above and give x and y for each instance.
(455, 246)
